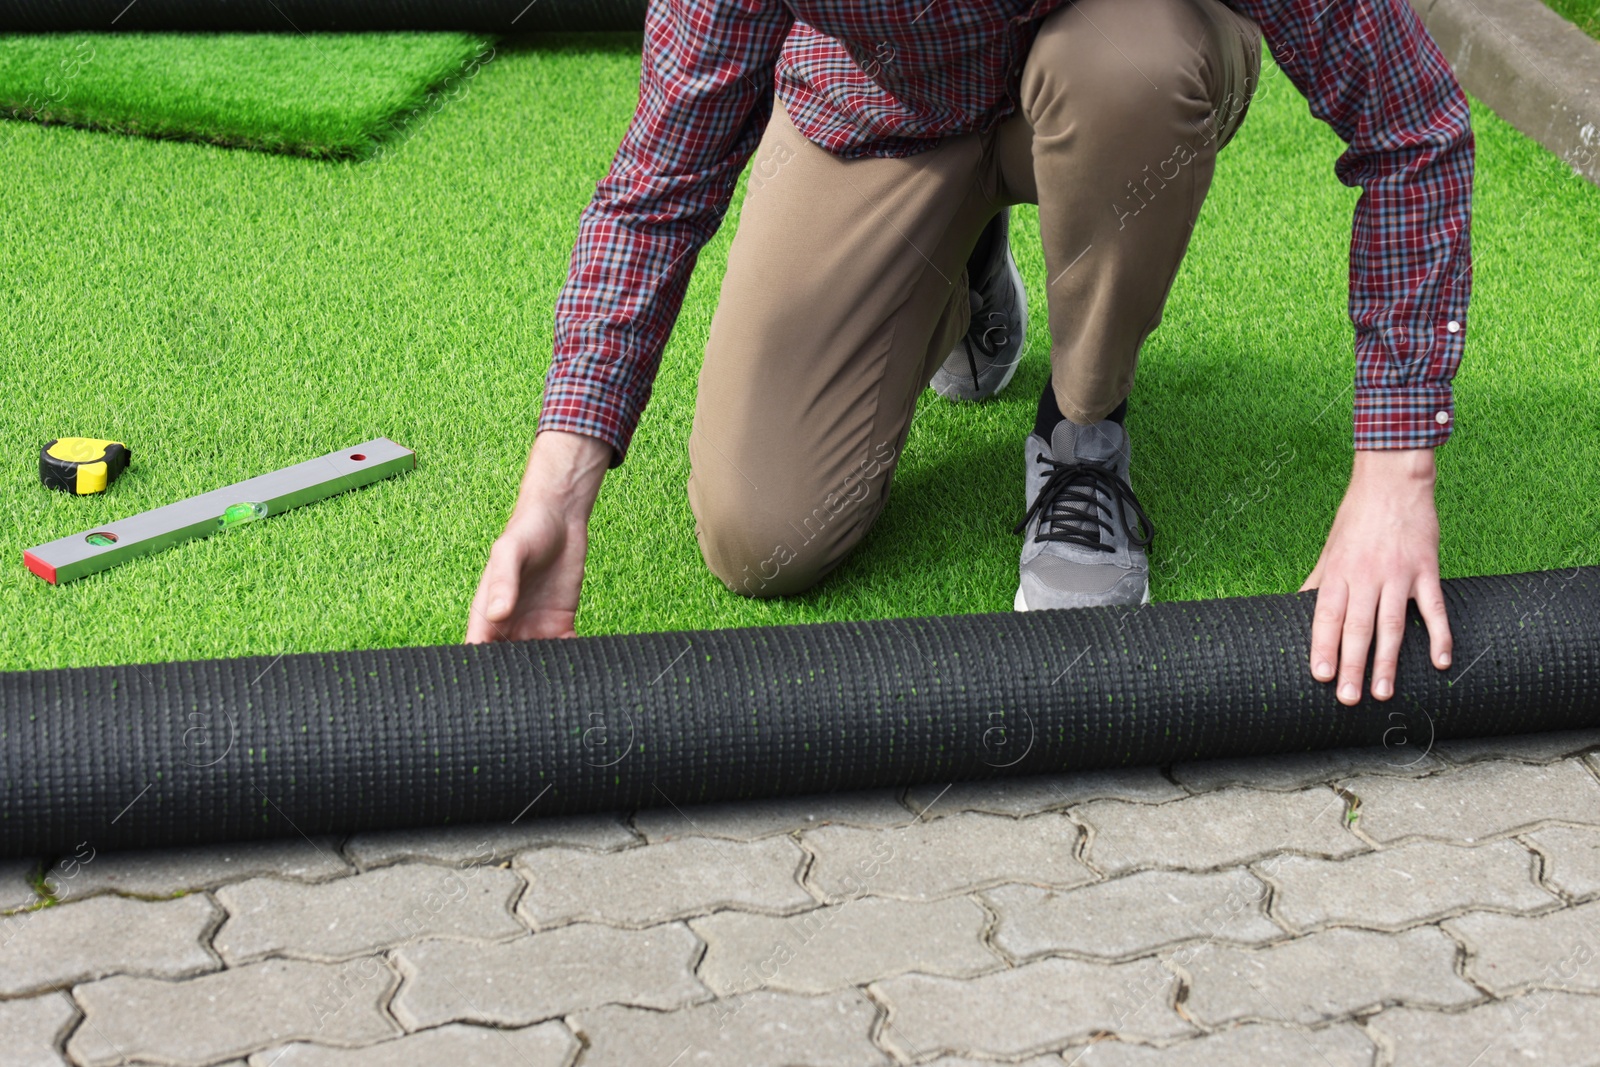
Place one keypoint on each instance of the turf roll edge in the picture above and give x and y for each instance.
(43, 16)
(234, 749)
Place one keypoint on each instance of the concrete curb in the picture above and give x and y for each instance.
(1532, 67)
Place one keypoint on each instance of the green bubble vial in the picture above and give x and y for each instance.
(241, 513)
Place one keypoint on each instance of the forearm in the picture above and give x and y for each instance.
(1369, 69)
(705, 96)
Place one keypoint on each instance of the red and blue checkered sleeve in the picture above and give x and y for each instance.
(705, 97)
(1371, 71)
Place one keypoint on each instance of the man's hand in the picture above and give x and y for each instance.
(1382, 551)
(535, 571)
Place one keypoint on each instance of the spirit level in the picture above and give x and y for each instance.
(105, 546)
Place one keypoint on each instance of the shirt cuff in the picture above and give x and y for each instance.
(1407, 417)
(578, 406)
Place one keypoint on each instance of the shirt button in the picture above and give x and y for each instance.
(1442, 418)
(1453, 326)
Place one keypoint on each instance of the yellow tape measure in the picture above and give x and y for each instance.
(82, 464)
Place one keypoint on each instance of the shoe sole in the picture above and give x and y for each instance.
(1020, 602)
(949, 386)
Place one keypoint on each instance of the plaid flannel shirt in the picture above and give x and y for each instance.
(893, 77)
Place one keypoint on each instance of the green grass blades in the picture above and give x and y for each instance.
(1585, 14)
(230, 313)
(324, 95)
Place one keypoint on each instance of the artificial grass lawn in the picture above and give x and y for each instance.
(229, 313)
(1585, 14)
(325, 95)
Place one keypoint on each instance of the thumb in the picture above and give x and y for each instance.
(501, 581)
(497, 593)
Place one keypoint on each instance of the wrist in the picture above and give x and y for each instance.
(565, 471)
(1415, 466)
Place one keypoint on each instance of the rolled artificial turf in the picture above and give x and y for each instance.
(323, 95)
(140, 756)
(230, 313)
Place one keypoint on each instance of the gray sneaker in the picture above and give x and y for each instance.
(982, 362)
(1080, 550)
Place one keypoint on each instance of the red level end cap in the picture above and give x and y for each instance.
(39, 567)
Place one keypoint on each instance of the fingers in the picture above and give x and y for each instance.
(1359, 614)
(1326, 626)
(496, 596)
(1314, 579)
(1430, 603)
(1347, 620)
(1391, 631)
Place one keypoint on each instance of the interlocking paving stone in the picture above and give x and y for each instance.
(163, 872)
(232, 1013)
(86, 939)
(1324, 976)
(1302, 769)
(1029, 1009)
(31, 1029)
(546, 1045)
(748, 820)
(546, 975)
(1132, 915)
(1507, 953)
(1220, 829)
(642, 886)
(16, 891)
(1251, 1045)
(938, 857)
(906, 928)
(1478, 801)
(962, 1061)
(1542, 1028)
(1404, 886)
(1571, 857)
(762, 1029)
(1530, 748)
(488, 842)
(365, 912)
(1046, 792)
(842, 945)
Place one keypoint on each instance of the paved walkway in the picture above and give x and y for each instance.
(1347, 908)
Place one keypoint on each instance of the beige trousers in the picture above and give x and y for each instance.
(846, 284)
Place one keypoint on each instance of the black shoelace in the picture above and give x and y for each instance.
(990, 347)
(1073, 511)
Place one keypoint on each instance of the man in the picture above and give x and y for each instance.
(871, 260)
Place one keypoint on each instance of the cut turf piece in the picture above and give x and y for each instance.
(343, 16)
(320, 95)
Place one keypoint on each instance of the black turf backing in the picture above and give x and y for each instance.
(227, 750)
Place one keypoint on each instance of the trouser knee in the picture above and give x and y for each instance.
(760, 547)
(755, 557)
(1121, 69)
